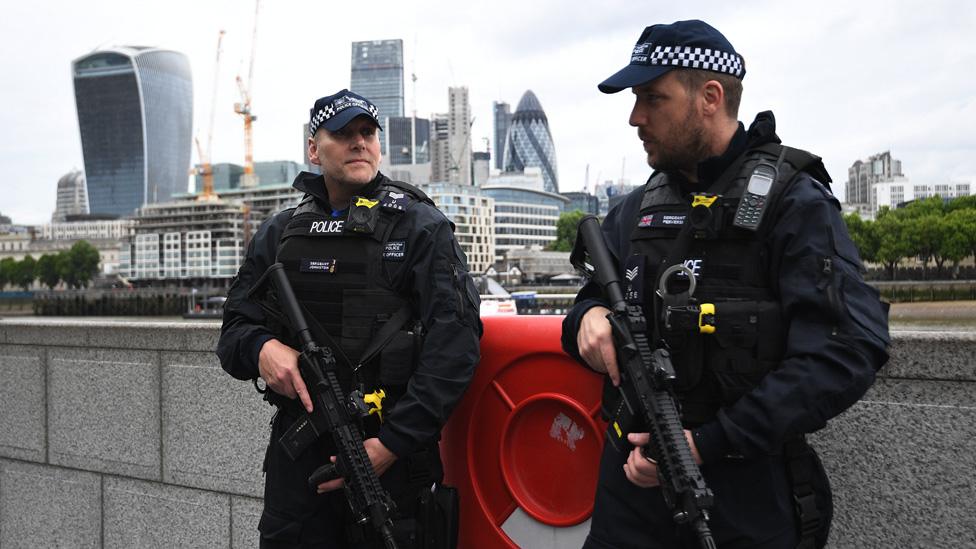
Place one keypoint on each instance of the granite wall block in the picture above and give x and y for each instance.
(150, 515)
(23, 413)
(104, 411)
(215, 428)
(42, 506)
(901, 463)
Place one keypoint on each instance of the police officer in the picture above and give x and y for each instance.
(377, 268)
(791, 335)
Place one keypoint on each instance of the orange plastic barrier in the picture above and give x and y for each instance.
(526, 436)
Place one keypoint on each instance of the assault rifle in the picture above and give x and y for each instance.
(336, 415)
(646, 378)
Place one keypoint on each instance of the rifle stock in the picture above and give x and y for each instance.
(646, 390)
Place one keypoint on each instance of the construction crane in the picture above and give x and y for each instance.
(206, 168)
(249, 179)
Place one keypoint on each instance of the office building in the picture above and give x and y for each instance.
(459, 135)
(276, 172)
(473, 215)
(407, 140)
(503, 119)
(72, 196)
(226, 176)
(525, 213)
(480, 167)
(135, 113)
(582, 201)
(377, 75)
(529, 143)
(894, 194)
(200, 241)
(864, 174)
(440, 151)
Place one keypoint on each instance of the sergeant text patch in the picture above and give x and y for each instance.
(318, 266)
(395, 250)
(661, 220)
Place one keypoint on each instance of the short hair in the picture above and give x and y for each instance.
(694, 78)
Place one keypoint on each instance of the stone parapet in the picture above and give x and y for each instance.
(119, 433)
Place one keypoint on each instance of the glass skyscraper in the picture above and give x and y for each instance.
(529, 143)
(503, 118)
(135, 113)
(407, 140)
(377, 74)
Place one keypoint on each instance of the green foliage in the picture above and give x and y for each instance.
(78, 266)
(566, 231)
(930, 230)
(8, 267)
(47, 270)
(24, 273)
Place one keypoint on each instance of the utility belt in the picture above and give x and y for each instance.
(428, 521)
(727, 317)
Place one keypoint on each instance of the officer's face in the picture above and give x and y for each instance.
(349, 156)
(669, 124)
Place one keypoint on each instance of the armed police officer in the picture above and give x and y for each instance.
(737, 252)
(384, 283)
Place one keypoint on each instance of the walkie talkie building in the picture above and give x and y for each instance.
(529, 143)
(135, 113)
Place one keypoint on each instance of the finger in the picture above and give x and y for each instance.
(282, 387)
(642, 472)
(302, 391)
(609, 358)
(639, 439)
(329, 486)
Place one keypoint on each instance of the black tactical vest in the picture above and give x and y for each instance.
(730, 266)
(336, 267)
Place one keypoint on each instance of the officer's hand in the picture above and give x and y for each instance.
(642, 470)
(278, 364)
(595, 343)
(381, 458)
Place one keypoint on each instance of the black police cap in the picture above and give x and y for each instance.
(689, 44)
(333, 112)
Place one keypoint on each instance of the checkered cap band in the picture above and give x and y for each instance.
(689, 57)
(337, 106)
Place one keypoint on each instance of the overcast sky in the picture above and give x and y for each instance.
(845, 79)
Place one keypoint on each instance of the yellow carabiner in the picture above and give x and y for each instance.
(706, 318)
(375, 400)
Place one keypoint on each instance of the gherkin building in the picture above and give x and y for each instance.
(529, 143)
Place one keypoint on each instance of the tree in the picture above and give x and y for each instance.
(8, 267)
(892, 244)
(960, 236)
(47, 270)
(78, 265)
(566, 231)
(864, 235)
(24, 273)
(962, 203)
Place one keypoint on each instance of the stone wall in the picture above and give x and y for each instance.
(123, 434)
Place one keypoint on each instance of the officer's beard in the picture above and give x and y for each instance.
(683, 148)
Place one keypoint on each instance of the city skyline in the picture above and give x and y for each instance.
(846, 82)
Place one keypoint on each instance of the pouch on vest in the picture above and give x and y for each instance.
(399, 358)
(362, 310)
(747, 344)
(438, 517)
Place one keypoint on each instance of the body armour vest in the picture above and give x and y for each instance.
(336, 267)
(715, 367)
